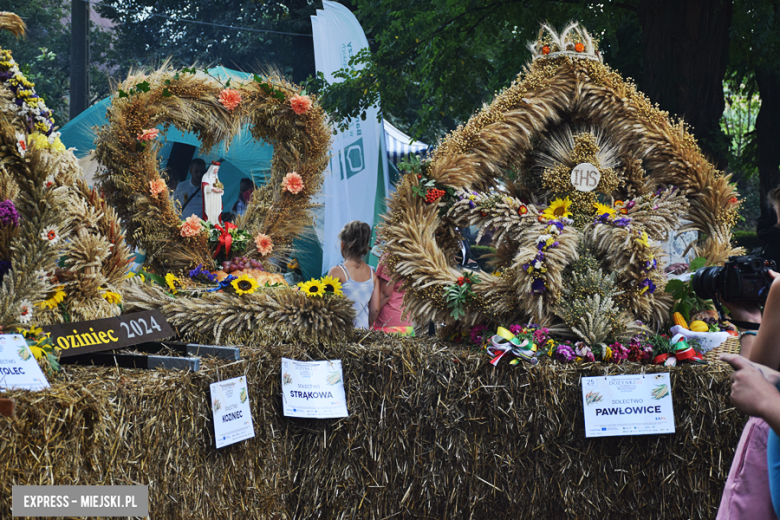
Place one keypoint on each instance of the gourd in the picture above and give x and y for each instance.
(699, 326)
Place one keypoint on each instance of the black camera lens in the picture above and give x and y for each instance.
(707, 282)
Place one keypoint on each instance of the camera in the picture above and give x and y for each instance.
(743, 279)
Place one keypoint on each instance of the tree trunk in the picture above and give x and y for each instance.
(768, 132)
(686, 48)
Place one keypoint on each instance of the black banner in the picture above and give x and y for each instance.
(72, 339)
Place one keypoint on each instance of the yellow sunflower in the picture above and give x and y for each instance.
(174, 284)
(332, 285)
(112, 297)
(312, 287)
(602, 209)
(558, 208)
(244, 284)
(52, 302)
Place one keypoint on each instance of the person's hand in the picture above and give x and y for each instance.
(750, 390)
(750, 312)
(678, 268)
(771, 375)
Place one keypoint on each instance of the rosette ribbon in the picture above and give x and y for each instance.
(225, 239)
(505, 342)
(224, 284)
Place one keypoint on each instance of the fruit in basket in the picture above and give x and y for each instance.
(679, 320)
(705, 316)
(699, 326)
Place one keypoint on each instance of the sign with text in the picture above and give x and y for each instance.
(313, 389)
(639, 404)
(18, 368)
(72, 339)
(585, 177)
(230, 408)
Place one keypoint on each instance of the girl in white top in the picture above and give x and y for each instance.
(358, 281)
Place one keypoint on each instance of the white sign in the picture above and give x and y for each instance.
(313, 389)
(230, 407)
(18, 368)
(638, 404)
(585, 177)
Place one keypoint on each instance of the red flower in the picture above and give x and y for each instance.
(461, 281)
(579, 47)
(733, 200)
(522, 210)
(230, 98)
(148, 135)
(300, 104)
(546, 50)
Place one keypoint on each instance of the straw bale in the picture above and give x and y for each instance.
(434, 431)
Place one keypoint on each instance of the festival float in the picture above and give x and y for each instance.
(434, 429)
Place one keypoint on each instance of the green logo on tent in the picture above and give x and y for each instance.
(353, 159)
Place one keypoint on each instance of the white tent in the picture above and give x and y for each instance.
(400, 145)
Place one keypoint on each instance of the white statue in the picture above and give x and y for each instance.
(212, 194)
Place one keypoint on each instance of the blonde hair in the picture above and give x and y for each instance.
(355, 239)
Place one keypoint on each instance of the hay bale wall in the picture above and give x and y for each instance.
(432, 433)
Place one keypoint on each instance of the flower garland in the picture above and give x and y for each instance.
(537, 267)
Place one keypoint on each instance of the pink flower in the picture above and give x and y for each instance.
(191, 226)
(300, 104)
(293, 183)
(157, 186)
(264, 244)
(148, 135)
(230, 98)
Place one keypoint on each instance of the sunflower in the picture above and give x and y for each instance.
(174, 284)
(312, 287)
(558, 208)
(112, 297)
(52, 302)
(602, 209)
(244, 284)
(332, 285)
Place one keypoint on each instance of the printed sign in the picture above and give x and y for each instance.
(585, 177)
(230, 408)
(18, 368)
(639, 404)
(313, 389)
(72, 339)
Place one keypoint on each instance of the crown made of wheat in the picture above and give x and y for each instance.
(573, 41)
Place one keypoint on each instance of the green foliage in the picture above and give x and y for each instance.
(686, 301)
(460, 293)
(747, 239)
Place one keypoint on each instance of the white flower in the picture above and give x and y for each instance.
(21, 143)
(544, 238)
(25, 311)
(51, 235)
(537, 265)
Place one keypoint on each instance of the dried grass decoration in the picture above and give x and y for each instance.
(275, 111)
(49, 214)
(510, 170)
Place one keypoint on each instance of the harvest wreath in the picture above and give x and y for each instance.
(579, 177)
(193, 100)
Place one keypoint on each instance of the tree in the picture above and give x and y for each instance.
(151, 31)
(44, 54)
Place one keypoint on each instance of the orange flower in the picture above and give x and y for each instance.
(579, 47)
(230, 98)
(264, 244)
(733, 200)
(191, 226)
(546, 50)
(618, 203)
(293, 183)
(157, 186)
(300, 104)
(522, 210)
(148, 135)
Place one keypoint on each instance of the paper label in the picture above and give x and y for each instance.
(639, 404)
(230, 408)
(313, 389)
(18, 368)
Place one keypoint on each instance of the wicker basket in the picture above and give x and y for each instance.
(730, 346)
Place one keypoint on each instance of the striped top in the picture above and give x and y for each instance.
(360, 294)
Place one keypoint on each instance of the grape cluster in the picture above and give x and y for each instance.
(240, 263)
(433, 194)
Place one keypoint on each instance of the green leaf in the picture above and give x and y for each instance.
(673, 286)
(227, 84)
(143, 86)
(697, 264)
(166, 93)
(122, 93)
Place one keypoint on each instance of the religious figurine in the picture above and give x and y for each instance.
(212, 194)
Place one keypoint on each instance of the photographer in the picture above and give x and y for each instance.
(747, 494)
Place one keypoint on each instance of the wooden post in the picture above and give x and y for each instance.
(79, 57)
(7, 407)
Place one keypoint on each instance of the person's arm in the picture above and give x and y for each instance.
(763, 347)
(373, 304)
(337, 273)
(752, 393)
(385, 292)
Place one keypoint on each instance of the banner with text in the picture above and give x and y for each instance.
(639, 404)
(18, 368)
(313, 389)
(231, 411)
(356, 178)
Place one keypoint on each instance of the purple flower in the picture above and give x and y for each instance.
(651, 264)
(477, 332)
(630, 204)
(515, 329)
(555, 244)
(621, 222)
(471, 204)
(619, 352)
(541, 245)
(558, 224)
(540, 335)
(647, 282)
(8, 214)
(565, 354)
(538, 286)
